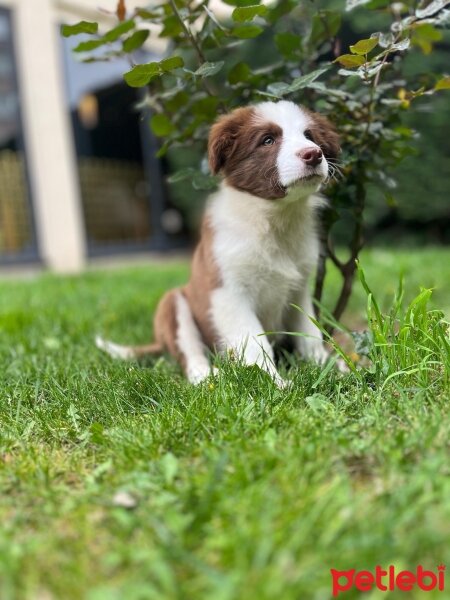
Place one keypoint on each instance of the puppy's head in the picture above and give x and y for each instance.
(270, 148)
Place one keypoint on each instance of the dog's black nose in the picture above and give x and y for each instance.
(311, 156)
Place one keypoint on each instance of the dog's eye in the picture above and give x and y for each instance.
(308, 135)
(268, 140)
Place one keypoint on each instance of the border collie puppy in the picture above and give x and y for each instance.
(257, 248)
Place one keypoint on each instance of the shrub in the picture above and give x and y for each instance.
(298, 51)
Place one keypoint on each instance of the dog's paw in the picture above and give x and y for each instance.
(312, 350)
(282, 384)
(342, 366)
(196, 375)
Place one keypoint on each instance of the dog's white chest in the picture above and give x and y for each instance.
(262, 263)
(267, 275)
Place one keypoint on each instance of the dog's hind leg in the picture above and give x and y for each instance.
(189, 347)
(175, 332)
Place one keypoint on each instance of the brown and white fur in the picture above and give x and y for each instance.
(258, 244)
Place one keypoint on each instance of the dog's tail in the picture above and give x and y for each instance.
(127, 352)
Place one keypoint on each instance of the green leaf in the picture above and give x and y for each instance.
(201, 181)
(114, 34)
(424, 35)
(350, 61)
(287, 43)
(81, 27)
(214, 19)
(351, 4)
(371, 4)
(431, 8)
(141, 75)
(247, 13)
(247, 31)
(171, 63)
(180, 99)
(278, 88)
(207, 69)
(89, 45)
(240, 72)
(280, 9)
(325, 25)
(172, 27)
(136, 40)
(161, 125)
(147, 14)
(206, 108)
(443, 84)
(105, 57)
(347, 73)
(163, 149)
(385, 39)
(402, 45)
(364, 46)
(240, 2)
(305, 80)
(427, 32)
(181, 175)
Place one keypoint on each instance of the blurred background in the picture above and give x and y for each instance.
(78, 173)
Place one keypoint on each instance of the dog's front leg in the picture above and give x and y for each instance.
(310, 343)
(241, 332)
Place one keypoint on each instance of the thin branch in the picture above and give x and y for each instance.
(188, 32)
(321, 271)
(376, 81)
(201, 57)
(348, 269)
(331, 254)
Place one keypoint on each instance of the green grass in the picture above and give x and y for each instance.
(239, 490)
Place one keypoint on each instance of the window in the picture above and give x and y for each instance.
(120, 180)
(17, 240)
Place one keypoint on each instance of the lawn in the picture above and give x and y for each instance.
(122, 481)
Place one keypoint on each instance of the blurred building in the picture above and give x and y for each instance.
(78, 177)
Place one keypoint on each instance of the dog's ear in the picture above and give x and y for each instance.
(325, 135)
(220, 143)
(223, 138)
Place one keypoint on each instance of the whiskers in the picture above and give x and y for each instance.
(334, 170)
(272, 175)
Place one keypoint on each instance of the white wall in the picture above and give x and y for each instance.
(48, 136)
